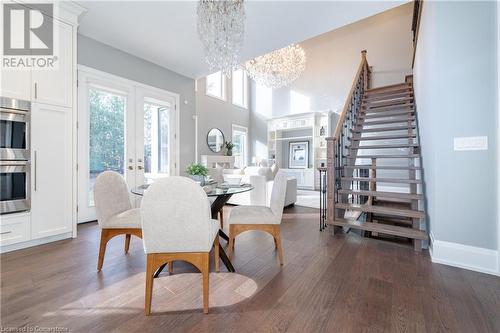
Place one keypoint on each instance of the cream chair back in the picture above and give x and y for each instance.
(278, 194)
(111, 196)
(176, 217)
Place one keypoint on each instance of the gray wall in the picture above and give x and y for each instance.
(103, 57)
(455, 86)
(213, 112)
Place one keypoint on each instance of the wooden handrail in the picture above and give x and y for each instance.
(337, 144)
(362, 64)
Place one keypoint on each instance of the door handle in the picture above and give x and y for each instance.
(36, 90)
(35, 164)
(5, 232)
(130, 167)
(139, 167)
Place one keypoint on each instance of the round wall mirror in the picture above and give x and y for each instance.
(215, 140)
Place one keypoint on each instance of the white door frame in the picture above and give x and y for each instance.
(113, 83)
(242, 128)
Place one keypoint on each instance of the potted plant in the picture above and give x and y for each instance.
(198, 172)
(229, 148)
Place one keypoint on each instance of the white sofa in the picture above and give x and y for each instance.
(262, 179)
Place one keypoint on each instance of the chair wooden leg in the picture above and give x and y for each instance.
(127, 242)
(205, 272)
(171, 267)
(149, 283)
(216, 254)
(102, 248)
(277, 241)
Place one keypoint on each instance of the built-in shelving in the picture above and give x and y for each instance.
(313, 127)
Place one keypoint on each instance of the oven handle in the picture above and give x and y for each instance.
(35, 165)
(5, 110)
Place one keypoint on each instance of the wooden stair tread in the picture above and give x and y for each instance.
(383, 129)
(383, 180)
(390, 113)
(384, 156)
(402, 145)
(388, 121)
(386, 108)
(382, 210)
(382, 167)
(389, 102)
(388, 96)
(388, 92)
(385, 137)
(388, 87)
(381, 194)
(382, 228)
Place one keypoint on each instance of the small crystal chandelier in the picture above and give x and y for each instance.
(220, 27)
(278, 68)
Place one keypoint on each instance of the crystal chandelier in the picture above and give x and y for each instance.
(220, 27)
(278, 68)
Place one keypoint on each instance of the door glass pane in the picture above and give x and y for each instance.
(239, 150)
(107, 135)
(156, 141)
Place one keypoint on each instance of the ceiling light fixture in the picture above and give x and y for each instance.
(278, 68)
(221, 26)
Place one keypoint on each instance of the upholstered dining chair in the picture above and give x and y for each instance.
(177, 225)
(263, 218)
(114, 211)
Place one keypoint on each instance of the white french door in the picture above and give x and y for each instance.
(125, 127)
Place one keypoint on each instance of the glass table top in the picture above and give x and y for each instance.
(213, 190)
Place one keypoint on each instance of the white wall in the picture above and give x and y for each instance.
(216, 113)
(455, 79)
(332, 61)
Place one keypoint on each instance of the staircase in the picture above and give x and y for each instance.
(374, 181)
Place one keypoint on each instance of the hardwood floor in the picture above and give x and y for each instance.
(343, 283)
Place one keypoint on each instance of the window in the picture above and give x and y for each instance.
(240, 135)
(106, 135)
(156, 139)
(216, 85)
(240, 88)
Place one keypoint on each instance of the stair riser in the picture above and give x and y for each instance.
(381, 210)
(405, 196)
(383, 180)
(387, 108)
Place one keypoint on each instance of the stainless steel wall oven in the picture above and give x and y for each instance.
(15, 166)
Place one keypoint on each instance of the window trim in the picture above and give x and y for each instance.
(244, 88)
(223, 87)
(241, 128)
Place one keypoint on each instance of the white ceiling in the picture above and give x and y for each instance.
(164, 32)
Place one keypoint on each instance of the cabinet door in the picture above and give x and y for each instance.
(55, 86)
(15, 83)
(51, 198)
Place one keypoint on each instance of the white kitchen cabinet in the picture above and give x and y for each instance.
(14, 228)
(55, 86)
(15, 84)
(51, 175)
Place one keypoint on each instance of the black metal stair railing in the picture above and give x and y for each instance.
(338, 145)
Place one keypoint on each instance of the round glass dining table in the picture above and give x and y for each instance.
(222, 194)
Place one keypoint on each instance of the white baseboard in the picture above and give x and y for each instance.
(464, 256)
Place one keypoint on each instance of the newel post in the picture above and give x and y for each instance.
(330, 182)
(365, 70)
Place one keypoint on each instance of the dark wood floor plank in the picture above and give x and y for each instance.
(341, 283)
